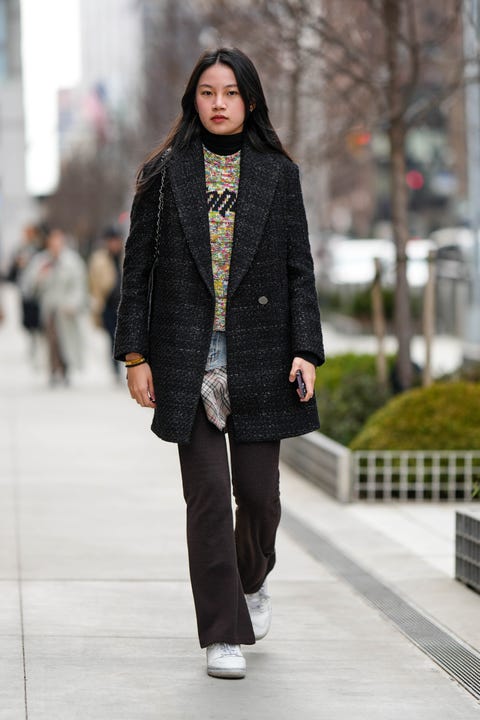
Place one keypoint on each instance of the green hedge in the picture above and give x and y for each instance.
(358, 303)
(347, 394)
(444, 416)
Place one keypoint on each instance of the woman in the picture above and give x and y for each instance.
(234, 316)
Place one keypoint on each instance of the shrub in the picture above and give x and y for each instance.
(347, 394)
(444, 416)
(357, 303)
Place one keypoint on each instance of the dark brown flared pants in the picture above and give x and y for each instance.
(225, 563)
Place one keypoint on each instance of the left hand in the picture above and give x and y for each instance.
(308, 372)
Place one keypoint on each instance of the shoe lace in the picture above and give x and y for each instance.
(228, 649)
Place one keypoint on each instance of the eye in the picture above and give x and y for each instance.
(233, 92)
(206, 92)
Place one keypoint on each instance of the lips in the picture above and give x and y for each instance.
(218, 118)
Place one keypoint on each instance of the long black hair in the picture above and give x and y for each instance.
(257, 125)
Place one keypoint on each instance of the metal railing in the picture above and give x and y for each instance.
(467, 549)
(415, 475)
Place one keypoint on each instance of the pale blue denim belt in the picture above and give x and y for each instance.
(217, 354)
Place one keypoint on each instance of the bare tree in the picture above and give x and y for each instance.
(415, 65)
(93, 187)
(385, 65)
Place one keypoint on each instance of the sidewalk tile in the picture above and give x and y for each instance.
(9, 609)
(99, 679)
(110, 609)
(12, 698)
(8, 540)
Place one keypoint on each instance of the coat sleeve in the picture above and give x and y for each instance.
(132, 321)
(304, 310)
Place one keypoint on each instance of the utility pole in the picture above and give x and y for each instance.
(471, 35)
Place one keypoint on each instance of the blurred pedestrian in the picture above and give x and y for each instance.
(57, 277)
(33, 240)
(29, 245)
(234, 316)
(105, 276)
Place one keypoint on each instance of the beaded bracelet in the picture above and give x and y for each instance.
(134, 363)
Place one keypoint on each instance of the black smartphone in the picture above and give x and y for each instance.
(301, 387)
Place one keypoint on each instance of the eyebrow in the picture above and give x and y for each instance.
(208, 85)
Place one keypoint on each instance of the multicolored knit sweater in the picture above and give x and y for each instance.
(222, 174)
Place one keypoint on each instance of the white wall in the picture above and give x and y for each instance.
(15, 205)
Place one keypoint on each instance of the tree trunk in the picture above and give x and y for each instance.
(398, 191)
(429, 318)
(378, 315)
(399, 200)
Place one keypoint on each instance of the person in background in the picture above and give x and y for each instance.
(57, 277)
(105, 277)
(234, 316)
(30, 244)
(33, 240)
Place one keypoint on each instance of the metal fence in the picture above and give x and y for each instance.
(415, 475)
(467, 549)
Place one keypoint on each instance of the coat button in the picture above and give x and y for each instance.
(263, 300)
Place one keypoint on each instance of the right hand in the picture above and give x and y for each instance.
(140, 384)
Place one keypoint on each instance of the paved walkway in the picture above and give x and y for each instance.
(96, 614)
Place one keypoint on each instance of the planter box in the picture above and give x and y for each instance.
(467, 549)
(321, 460)
(452, 475)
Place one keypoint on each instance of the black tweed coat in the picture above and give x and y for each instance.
(272, 309)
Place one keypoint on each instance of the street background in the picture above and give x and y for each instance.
(379, 104)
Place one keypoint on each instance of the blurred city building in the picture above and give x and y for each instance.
(135, 58)
(99, 121)
(93, 113)
(15, 205)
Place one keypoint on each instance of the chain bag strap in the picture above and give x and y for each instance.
(156, 248)
(159, 217)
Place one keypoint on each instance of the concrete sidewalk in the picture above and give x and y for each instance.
(96, 613)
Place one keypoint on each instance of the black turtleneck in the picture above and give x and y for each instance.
(222, 144)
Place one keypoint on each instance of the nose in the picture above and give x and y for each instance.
(219, 102)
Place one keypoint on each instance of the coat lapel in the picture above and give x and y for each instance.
(187, 174)
(258, 180)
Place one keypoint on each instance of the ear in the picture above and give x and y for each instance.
(252, 106)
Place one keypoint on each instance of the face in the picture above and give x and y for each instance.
(56, 243)
(115, 245)
(218, 101)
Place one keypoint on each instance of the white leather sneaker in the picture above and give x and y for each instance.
(260, 609)
(225, 661)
